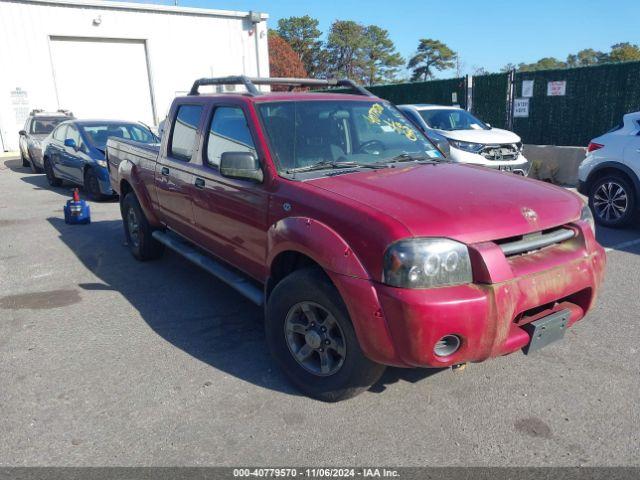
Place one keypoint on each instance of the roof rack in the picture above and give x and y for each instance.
(251, 82)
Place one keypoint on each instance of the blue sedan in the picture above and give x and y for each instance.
(75, 152)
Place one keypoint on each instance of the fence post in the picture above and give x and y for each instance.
(511, 90)
(469, 85)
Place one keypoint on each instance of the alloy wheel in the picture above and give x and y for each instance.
(315, 338)
(133, 225)
(610, 201)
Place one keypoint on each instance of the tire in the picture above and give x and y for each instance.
(92, 186)
(34, 167)
(612, 200)
(25, 162)
(51, 176)
(348, 371)
(140, 240)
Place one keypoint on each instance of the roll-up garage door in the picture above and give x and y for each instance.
(102, 78)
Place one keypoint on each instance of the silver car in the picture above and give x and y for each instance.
(36, 128)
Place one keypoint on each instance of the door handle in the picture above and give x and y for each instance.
(164, 171)
(199, 183)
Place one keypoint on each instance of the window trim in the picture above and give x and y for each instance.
(207, 126)
(170, 153)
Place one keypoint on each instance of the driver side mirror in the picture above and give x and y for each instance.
(241, 165)
(71, 143)
(22, 133)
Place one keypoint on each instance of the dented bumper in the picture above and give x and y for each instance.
(488, 315)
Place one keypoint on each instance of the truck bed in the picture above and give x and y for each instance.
(143, 155)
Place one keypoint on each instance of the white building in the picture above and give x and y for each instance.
(115, 60)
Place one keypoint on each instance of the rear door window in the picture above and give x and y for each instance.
(184, 132)
(228, 132)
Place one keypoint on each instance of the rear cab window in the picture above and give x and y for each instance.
(44, 126)
(228, 132)
(184, 132)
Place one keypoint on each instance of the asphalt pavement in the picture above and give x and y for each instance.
(108, 361)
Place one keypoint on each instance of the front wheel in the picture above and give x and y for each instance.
(138, 232)
(612, 201)
(51, 176)
(311, 337)
(92, 186)
(25, 162)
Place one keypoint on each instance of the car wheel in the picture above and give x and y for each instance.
(25, 162)
(51, 176)
(34, 167)
(312, 339)
(612, 201)
(92, 186)
(138, 231)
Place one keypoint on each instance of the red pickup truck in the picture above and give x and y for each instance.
(364, 244)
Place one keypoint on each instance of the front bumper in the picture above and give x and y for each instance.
(519, 166)
(488, 315)
(104, 181)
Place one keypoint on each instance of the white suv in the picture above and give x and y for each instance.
(609, 175)
(471, 140)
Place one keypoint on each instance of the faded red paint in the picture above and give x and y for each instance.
(345, 223)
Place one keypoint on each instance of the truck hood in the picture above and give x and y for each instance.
(486, 137)
(466, 203)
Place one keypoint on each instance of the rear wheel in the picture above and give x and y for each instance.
(138, 232)
(311, 337)
(612, 200)
(92, 186)
(34, 167)
(51, 176)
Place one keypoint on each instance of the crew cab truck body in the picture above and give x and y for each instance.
(364, 245)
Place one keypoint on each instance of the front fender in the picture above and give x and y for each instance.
(130, 173)
(329, 250)
(317, 241)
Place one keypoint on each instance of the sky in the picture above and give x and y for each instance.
(487, 34)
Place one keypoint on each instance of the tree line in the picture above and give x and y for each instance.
(620, 52)
(367, 54)
(353, 50)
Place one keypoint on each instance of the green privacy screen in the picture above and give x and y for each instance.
(594, 100)
(441, 92)
(490, 98)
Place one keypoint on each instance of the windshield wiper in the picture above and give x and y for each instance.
(407, 157)
(328, 164)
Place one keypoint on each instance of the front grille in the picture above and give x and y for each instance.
(499, 153)
(535, 241)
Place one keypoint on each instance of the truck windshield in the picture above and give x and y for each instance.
(326, 133)
(452, 119)
(44, 126)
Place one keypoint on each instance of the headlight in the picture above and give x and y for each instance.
(467, 146)
(102, 163)
(426, 263)
(587, 216)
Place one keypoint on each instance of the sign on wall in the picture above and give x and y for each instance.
(555, 89)
(20, 104)
(527, 88)
(521, 108)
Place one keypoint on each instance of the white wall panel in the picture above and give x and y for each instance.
(181, 45)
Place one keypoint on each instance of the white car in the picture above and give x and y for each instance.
(471, 140)
(609, 175)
